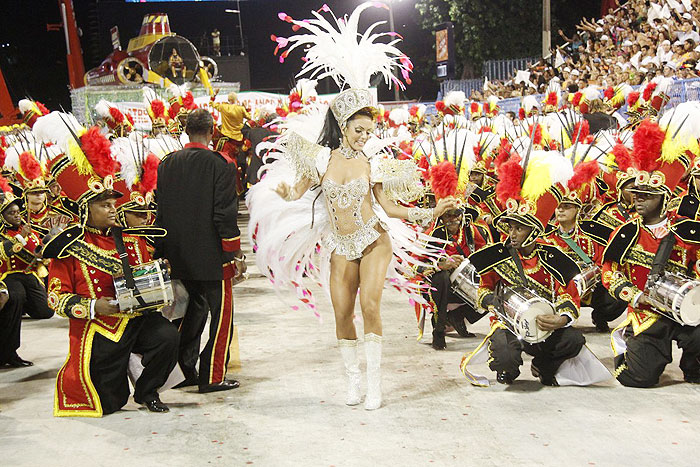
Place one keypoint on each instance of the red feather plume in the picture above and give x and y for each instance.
(188, 101)
(581, 131)
(485, 129)
(474, 108)
(648, 91)
(584, 173)
(423, 164)
(158, 108)
(521, 113)
(172, 111)
(5, 185)
(42, 108)
(486, 107)
(440, 106)
(577, 99)
(413, 111)
(29, 166)
(509, 176)
(609, 93)
(149, 177)
(632, 98)
(552, 99)
(648, 140)
(503, 153)
(536, 134)
(2, 157)
(116, 114)
(97, 150)
(623, 159)
(443, 179)
(130, 119)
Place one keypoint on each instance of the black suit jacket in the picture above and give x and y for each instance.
(197, 205)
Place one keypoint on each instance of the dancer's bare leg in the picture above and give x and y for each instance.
(344, 280)
(373, 266)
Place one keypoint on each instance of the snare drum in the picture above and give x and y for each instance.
(521, 307)
(676, 297)
(153, 288)
(465, 282)
(587, 279)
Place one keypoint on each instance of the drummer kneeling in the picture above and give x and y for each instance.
(93, 381)
(546, 273)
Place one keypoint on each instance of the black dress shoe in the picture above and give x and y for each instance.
(439, 341)
(504, 377)
(602, 327)
(459, 323)
(225, 385)
(154, 404)
(692, 377)
(17, 362)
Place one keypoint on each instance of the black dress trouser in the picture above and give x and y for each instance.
(152, 336)
(649, 352)
(506, 351)
(27, 295)
(442, 294)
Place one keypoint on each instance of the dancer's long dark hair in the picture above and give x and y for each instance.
(331, 135)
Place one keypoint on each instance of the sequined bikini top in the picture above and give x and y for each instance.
(345, 202)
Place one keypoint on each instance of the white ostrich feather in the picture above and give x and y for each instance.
(25, 105)
(399, 116)
(455, 99)
(53, 128)
(102, 108)
(335, 48)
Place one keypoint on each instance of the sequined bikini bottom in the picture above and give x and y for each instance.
(352, 245)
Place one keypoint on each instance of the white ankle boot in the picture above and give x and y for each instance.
(373, 351)
(348, 349)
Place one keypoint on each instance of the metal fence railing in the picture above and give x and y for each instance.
(503, 69)
(681, 91)
(465, 85)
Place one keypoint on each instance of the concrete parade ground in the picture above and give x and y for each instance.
(289, 410)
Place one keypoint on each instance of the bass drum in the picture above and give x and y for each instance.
(465, 282)
(676, 297)
(521, 307)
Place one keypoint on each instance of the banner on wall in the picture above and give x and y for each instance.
(250, 99)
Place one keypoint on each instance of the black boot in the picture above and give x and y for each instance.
(439, 341)
(602, 326)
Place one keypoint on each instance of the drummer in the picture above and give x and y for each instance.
(93, 380)
(524, 259)
(642, 343)
(580, 245)
(465, 234)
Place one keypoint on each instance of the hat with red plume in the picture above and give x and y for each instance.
(88, 169)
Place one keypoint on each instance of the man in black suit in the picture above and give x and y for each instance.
(198, 206)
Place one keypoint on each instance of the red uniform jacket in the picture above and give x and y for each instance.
(627, 263)
(82, 273)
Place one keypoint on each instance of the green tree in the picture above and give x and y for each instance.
(486, 30)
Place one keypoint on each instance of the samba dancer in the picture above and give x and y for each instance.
(85, 258)
(640, 252)
(360, 189)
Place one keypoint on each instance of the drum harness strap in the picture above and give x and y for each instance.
(577, 249)
(658, 265)
(126, 267)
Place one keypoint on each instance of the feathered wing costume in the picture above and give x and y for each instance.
(291, 238)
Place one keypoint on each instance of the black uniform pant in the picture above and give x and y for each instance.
(605, 307)
(506, 351)
(27, 295)
(31, 292)
(649, 352)
(152, 336)
(207, 297)
(442, 294)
